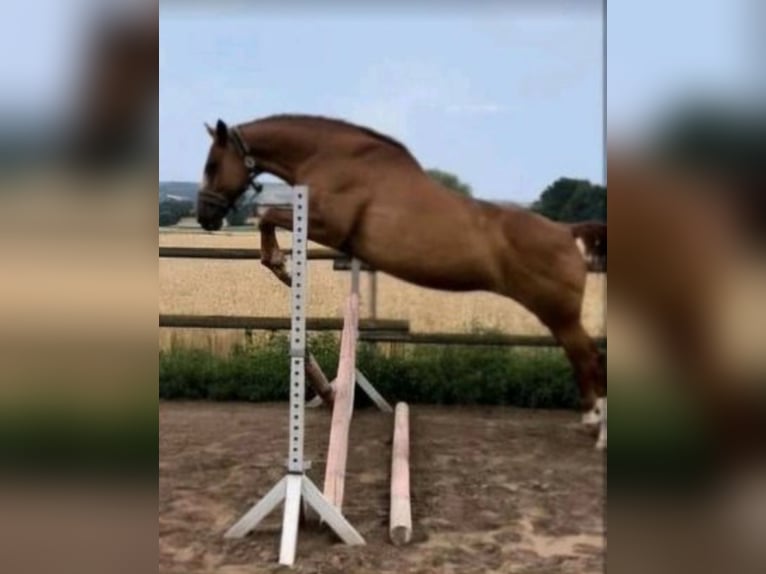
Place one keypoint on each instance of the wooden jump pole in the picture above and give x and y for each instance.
(337, 451)
(318, 381)
(346, 380)
(400, 526)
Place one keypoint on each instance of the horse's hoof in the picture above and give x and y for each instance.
(595, 416)
(590, 419)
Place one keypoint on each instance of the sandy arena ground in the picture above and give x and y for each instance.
(493, 490)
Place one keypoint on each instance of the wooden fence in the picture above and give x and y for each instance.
(372, 329)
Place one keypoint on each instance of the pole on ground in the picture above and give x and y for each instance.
(400, 526)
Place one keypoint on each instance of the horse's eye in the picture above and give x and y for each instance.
(210, 169)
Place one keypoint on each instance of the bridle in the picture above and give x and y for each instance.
(251, 165)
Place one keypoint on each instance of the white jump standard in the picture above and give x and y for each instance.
(295, 486)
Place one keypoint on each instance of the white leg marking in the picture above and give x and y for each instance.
(581, 246)
(584, 251)
(593, 417)
(601, 442)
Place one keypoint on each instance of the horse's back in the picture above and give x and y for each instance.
(428, 235)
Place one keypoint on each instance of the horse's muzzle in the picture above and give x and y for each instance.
(211, 209)
(210, 224)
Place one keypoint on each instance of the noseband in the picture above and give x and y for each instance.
(215, 199)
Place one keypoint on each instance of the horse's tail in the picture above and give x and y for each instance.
(591, 238)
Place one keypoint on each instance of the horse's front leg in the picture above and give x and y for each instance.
(271, 255)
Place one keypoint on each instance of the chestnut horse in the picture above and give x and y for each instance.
(371, 199)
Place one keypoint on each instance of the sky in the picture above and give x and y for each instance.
(507, 100)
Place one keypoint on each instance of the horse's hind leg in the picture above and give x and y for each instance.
(590, 370)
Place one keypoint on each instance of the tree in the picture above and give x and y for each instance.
(240, 213)
(171, 211)
(168, 217)
(450, 181)
(242, 210)
(586, 203)
(572, 200)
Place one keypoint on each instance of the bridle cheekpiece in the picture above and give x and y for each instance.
(247, 157)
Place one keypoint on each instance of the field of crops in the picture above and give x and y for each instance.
(246, 288)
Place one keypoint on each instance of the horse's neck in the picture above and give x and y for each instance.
(280, 149)
(286, 149)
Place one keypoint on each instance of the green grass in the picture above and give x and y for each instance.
(536, 378)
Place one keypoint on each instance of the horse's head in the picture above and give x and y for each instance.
(226, 177)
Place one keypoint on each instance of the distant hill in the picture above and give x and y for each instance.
(178, 190)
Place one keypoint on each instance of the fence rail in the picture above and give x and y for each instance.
(381, 326)
(342, 261)
(229, 253)
(467, 339)
(370, 330)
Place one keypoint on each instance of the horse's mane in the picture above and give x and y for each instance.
(345, 125)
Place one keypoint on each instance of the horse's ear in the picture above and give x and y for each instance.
(210, 130)
(221, 133)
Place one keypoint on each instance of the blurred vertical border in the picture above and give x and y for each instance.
(686, 149)
(78, 178)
